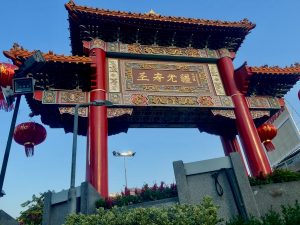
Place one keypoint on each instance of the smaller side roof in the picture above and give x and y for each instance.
(264, 80)
(59, 71)
(18, 54)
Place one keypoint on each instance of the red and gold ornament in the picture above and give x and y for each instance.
(7, 72)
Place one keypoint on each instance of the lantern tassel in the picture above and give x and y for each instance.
(269, 146)
(29, 149)
(4, 105)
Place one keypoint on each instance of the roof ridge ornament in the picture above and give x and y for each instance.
(71, 2)
(297, 65)
(246, 21)
(152, 13)
(17, 46)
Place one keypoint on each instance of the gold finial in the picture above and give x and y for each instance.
(153, 13)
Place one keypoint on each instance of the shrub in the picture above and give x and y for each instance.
(144, 194)
(290, 215)
(203, 214)
(272, 218)
(277, 176)
(240, 221)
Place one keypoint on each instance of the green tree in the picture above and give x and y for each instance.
(34, 213)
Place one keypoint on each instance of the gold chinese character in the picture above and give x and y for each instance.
(185, 78)
(143, 76)
(158, 77)
(193, 77)
(172, 78)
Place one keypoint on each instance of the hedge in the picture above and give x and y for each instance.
(277, 176)
(290, 215)
(203, 214)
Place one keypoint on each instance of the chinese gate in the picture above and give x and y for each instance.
(158, 72)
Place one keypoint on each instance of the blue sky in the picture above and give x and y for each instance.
(43, 25)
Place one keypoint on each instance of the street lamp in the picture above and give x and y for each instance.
(72, 190)
(124, 155)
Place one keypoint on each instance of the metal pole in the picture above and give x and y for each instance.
(8, 144)
(74, 146)
(72, 190)
(125, 172)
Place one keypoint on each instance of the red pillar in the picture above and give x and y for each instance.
(254, 152)
(97, 158)
(230, 145)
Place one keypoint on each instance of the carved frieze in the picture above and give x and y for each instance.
(216, 79)
(230, 113)
(64, 97)
(72, 97)
(175, 100)
(115, 98)
(116, 112)
(263, 102)
(172, 100)
(169, 51)
(83, 112)
(136, 48)
(49, 97)
(113, 75)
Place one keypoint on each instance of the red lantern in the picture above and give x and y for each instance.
(7, 72)
(29, 134)
(266, 133)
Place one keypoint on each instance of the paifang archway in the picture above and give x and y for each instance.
(159, 72)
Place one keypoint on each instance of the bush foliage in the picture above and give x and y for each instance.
(290, 215)
(203, 214)
(277, 176)
(146, 193)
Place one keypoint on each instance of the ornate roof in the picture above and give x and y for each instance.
(152, 16)
(58, 69)
(294, 69)
(264, 80)
(152, 28)
(18, 54)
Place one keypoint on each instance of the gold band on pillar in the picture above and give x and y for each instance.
(98, 89)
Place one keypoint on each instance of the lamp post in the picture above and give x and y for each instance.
(124, 155)
(8, 145)
(24, 85)
(72, 190)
